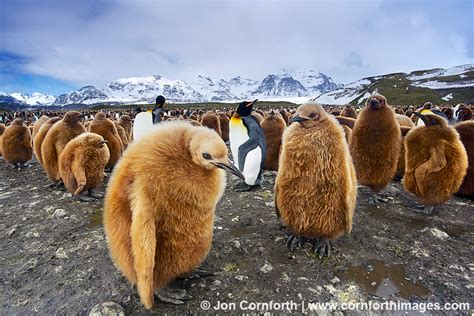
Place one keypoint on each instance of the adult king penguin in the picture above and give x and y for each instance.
(247, 143)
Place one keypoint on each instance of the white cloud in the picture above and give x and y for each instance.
(345, 39)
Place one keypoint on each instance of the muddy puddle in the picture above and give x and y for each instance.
(383, 280)
(95, 219)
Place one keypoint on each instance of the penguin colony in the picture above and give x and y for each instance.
(156, 234)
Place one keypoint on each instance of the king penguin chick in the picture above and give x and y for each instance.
(2, 130)
(435, 161)
(106, 128)
(123, 135)
(160, 203)
(316, 186)
(126, 122)
(56, 139)
(43, 119)
(375, 144)
(39, 137)
(224, 121)
(466, 133)
(16, 144)
(273, 126)
(211, 120)
(349, 111)
(82, 164)
(248, 146)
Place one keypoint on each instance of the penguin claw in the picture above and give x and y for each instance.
(428, 210)
(295, 242)
(173, 296)
(322, 248)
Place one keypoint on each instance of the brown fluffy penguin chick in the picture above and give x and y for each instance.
(43, 119)
(126, 122)
(82, 163)
(258, 116)
(160, 203)
(316, 187)
(16, 143)
(404, 120)
(349, 111)
(106, 128)
(2, 129)
(435, 161)
(285, 115)
(466, 133)
(123, 135)
(347, 121)
(39, 137)
(375, 144)
(273, 126)
(212, 121)
(224, 121)
(401, 158)
(56, 139)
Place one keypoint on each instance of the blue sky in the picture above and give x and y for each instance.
(57, 46)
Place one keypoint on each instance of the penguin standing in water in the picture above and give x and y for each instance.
(247, 143)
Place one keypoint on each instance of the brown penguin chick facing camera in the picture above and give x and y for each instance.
(16, 144)
(2, 130)
(466, 133)
(126, 122)
(43, 119)
(82, 163)
(39, 137)
(349, 111)
(316, 187)
(273, 126)
(435, 161)
(160, 203)
(106, 128)
(375, 144)
(212, 121)
(56, 139)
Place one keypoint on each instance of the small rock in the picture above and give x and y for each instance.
(285, 277)
(12, 230)
(58, 269)
(61, 254)
(303, 279)
(58, 213)
(373, 283)
(108, 308)
(241, 277)
(217, 283)
(300, 296)
(266, 268)
(437, 233)
(24, 218)
(335, 280)
(369, 267)
(32, 234)
(236, 244)
(270, 204)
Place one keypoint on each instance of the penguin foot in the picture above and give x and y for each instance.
(244, 187)
(56, 186)
(295, 241)
(173, 296)
(84, 198)
(428, 210)
(95, 195)
(322, 247)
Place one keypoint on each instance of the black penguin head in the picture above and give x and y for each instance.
(245, 108)
(432, 119)
(160, 101)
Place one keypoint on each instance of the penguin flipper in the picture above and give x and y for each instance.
(143, 234)
(277, 211)
(244, 149)
(437, 162)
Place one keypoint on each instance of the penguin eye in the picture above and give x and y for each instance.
(206, 156)
(312, 115)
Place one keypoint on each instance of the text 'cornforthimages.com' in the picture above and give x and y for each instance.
(304, 306)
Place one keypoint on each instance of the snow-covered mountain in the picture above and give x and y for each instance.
(451, 85)
(439, 85)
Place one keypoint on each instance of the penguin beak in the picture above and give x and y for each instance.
(229, 167)
(252, 103)
(422, 117)
(374, 104)
(298, 119)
